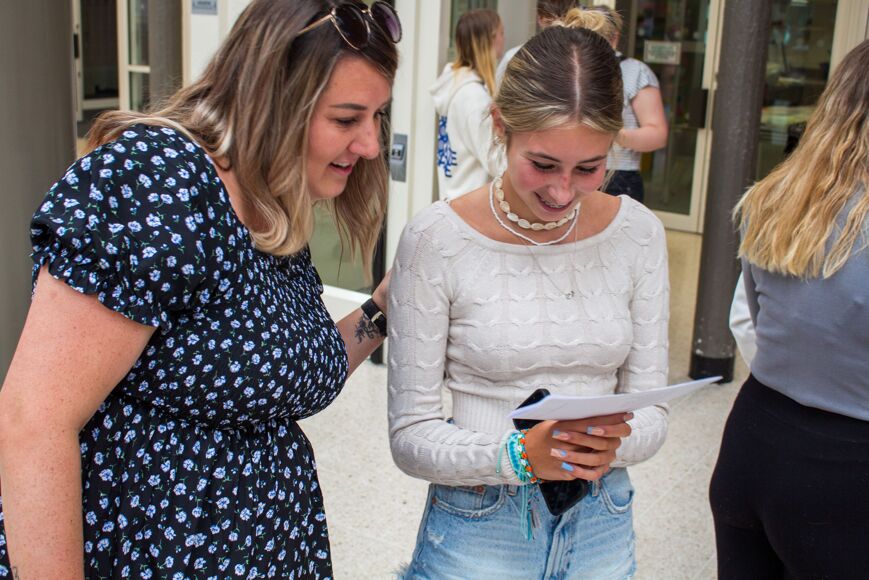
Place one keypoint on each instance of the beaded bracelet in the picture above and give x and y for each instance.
(519, 457)
(515, 446)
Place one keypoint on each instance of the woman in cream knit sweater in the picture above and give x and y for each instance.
(535, 280)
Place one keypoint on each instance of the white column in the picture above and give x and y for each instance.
(852, 28)
(423, 53)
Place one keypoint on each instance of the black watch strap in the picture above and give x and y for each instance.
(373, 312)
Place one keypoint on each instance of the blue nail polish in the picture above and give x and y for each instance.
(562, 452)
(566, 466)
(556, 432)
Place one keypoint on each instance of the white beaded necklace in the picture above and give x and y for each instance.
(495, 187)
(522, 222)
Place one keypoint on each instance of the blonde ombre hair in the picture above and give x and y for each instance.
(562, 76)
(251, 110)
(790, 217)
(475, 44)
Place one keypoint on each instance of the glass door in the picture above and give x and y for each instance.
(677, 39)
(797, 67)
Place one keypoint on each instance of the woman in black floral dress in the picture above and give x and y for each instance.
(148, 422)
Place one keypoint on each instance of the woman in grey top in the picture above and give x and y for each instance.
(789, 490)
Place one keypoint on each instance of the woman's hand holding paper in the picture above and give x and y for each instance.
(579, 449)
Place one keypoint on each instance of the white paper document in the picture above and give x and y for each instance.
(566, 407)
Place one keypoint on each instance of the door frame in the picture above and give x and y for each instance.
(78, 60)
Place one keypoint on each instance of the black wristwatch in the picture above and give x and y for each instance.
(373, 312)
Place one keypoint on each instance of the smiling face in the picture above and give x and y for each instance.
(345, 125)
(550, 171)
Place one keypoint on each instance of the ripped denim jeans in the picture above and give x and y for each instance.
(475, 533)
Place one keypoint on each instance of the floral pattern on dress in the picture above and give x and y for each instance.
(194, 466)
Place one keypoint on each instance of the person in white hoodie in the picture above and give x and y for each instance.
(467, 154)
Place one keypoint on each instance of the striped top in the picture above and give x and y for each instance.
(636, 76)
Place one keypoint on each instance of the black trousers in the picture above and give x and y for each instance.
(790, 491)
(629, 183)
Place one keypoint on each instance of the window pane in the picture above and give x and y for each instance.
(668, 173)
(140, 94)
(797, 67)
(138, 31)
(327, 256)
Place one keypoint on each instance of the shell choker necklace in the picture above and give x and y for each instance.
(496, 191)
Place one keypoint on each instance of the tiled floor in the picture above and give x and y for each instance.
(374, 509)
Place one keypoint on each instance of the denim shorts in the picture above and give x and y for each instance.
(471, 533)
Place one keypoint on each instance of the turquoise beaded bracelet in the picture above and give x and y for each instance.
(519, 457)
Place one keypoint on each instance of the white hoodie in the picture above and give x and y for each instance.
(467, 154)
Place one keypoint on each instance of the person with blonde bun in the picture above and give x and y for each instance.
(535, 280)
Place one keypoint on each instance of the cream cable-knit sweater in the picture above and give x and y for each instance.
(481, 318)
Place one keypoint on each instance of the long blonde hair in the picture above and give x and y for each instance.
(789, 217)
(251, 110)
(561, 76)
(475, 44)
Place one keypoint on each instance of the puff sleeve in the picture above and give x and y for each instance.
(128, 223)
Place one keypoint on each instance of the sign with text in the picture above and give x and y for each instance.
(662, 52)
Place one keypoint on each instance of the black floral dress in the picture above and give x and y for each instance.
(194, 466)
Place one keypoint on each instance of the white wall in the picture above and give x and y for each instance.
(423, 52)
(520, 21)
(852, 27)
(203, 34)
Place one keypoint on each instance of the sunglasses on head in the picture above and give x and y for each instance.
(351, 19)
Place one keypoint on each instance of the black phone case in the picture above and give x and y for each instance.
(559, 496)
